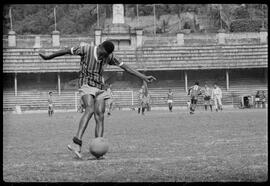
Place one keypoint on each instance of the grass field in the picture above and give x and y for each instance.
(158, 147)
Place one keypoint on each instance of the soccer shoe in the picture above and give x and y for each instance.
(77, 153)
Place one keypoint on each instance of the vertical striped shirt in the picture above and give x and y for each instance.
(91, 69)
(194, 91)
(170, 95)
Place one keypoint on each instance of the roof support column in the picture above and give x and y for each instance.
(227, 80)
(186, 81)
(15, 83)
(59, 83)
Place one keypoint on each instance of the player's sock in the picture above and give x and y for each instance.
(75, 151)
(211, 107)
(139, 110)
(205, 107)
(143, 110)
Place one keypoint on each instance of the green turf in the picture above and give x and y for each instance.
(160, 146)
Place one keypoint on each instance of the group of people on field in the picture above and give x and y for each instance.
(94, 93)
(210, 96)
(260, 99)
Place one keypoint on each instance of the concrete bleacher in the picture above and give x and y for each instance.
(154, 58)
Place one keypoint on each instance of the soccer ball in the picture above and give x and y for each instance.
(99, 146)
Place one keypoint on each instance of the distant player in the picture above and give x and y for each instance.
(144, 96)
(257, 100)
(50, 105)
(207, 97)
(140, 96)
(217, 96)
(188, 105)
(194, 93)
(170, 99)
(263, 99)
(94, 59)
(110, 100)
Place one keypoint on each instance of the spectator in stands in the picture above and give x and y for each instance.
(170, 99)
(207, 97)
(93, 61)
(263, 99)
(50, 105)
(257, 99)
(217, 96)
(194, 93)
(110, 100)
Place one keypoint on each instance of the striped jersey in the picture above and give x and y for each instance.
(91, 69)
(194, 91)
(170, 96)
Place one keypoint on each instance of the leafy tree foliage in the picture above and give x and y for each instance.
(82, 18)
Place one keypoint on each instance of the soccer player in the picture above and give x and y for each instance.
(93, 61)
(110, 100)
(263, 98)
(207, 97)
(257, 100)
(140, 95)
(170, 99)
(194, 93)
(216, 96)
(143, 93)
(50, 106)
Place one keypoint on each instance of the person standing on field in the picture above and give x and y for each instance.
(217, 96)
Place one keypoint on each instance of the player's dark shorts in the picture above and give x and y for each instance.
(50, 107)
(207, 98)
(193, 101)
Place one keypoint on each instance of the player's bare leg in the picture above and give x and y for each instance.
(99, 117)
(88, 101)
(110, 109)
(170, 107)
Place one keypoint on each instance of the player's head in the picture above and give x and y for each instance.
(196, 83)
(105, 49)
(206, 86)
(170, 90)
(215, 85)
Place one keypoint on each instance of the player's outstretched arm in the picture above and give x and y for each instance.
(55, 54)
(134, 72)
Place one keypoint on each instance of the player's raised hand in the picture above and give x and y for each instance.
(149, 79)
(43, 56)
